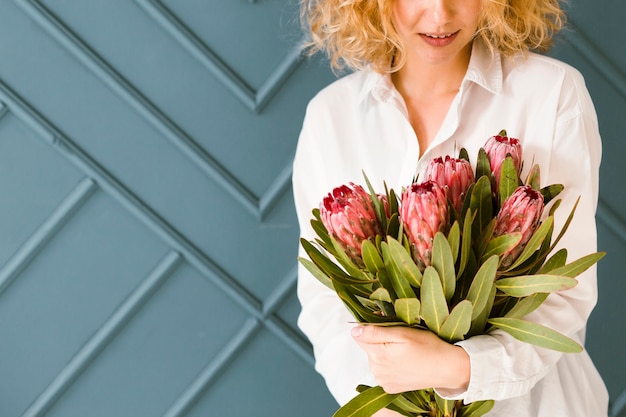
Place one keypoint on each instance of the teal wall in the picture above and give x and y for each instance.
(147, 231)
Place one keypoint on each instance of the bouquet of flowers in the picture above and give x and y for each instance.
(460, 253)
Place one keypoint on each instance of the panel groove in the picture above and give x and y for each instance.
(190, 42)
(199, 260)
(116, 322)
(118, 84)
(45, 232)
(594, 55)
(131, 202)
(210, 372)
(283, 290)
(291, 338)
(278, 78)
(618, 406)
(277, 189)
(254, 100)
(3, 110)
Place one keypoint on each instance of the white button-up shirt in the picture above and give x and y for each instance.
(359, 124)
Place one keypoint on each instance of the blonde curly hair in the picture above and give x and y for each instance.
(360, 33)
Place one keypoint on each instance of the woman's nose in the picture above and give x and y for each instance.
(442, 11)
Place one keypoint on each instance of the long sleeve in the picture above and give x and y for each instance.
(323, 318)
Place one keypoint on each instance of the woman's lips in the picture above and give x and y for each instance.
(438, 39)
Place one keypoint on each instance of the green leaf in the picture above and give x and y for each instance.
(392, 201)
(348, 265)
(484, 237)
(394, 226)
(454, 240)
(536, 334)
(463, 154)
(381, 294)
(466, 242)
(443, 262)
(434, 307)
(385, 282)
(556, 261)
(525, 285)
(509, 180)
(316, 272)
(358, 310)
(480, 322)
(482, 284)
(458, 323)
(408, 310)
(404, 262)
(321, 232)
(421, 398)
(577, 267)
(477, 409)
(370, 304)
(501, 244)
(445, 406)
(366, 403)
(481, 203)
(526, 305)
(534, 177)
(550, 192)
(534, 242)
(483, 167)
(399, 283)
(371, 258)
(379, 207)
(328, 267)
(403, 403)
(555, 207)
(570, 217)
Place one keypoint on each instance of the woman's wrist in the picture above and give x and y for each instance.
(457, 370)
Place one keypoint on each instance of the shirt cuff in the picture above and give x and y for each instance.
(482, 350)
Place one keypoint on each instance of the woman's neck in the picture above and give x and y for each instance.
(428, 92)
(417, 78)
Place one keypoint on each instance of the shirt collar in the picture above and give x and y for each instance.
(485, 69)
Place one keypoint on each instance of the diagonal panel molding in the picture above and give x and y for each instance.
(258, 207)
(96, 344)
(254, 100)
(157, 118)
(172, 237)
(45, 232)
(209, 374)
(128, 199)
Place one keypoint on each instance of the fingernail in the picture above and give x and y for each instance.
(357, 331)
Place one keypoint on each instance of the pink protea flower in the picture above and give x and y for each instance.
(424, 212)
(497, 148)
(454, 175)
(349, 216)
(521, 212)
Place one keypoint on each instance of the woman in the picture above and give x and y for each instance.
(432, 76)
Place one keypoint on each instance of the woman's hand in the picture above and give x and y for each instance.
(404, 359)
(386, 413)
